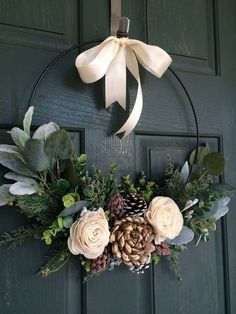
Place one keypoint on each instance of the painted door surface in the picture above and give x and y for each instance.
(201, 37)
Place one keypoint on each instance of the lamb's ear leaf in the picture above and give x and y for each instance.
(15, 162)
(184, 173)
(27, 120)
(22, 188)
(35, 156)
(18, 177)
(59, 145)
(218, 209)
(9, 148)
(19, 137)
(5, 195)
(202, 152)
(186, 235)
(45, 130)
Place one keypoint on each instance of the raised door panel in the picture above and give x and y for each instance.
(188, 30)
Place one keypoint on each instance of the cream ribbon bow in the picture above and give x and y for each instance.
(111, 58)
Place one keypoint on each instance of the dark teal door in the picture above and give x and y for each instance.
(200, 35)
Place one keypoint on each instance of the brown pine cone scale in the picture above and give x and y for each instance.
(131, 240)
(100, 263)
(116, 205)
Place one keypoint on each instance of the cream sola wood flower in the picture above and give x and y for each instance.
(165, 217)
(89, 235)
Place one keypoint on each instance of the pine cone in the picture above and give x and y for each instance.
(100, 263)
(140, 269)
(116, 206)
(131, 240)
(134, 205)
(163, 249)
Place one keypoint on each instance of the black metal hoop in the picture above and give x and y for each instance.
(62, 54)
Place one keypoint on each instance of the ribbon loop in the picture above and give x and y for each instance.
(111, 58)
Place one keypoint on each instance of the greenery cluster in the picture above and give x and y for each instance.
(52, 186)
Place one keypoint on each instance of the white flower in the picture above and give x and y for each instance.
(89, 235)
(165, 217)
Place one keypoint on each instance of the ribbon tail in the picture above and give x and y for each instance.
(115, 79)
(132, 65)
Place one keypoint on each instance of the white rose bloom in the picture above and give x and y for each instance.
(165, 217)
(89, 235)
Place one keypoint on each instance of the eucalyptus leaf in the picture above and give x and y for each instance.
(9, 148)
(184, 173)
(73, 209)
(218, 209)
(27, 120)
(45, 130)
(68, 221)
(59, 145)
(214, 163)
(202, 152)
(19, 137)
(15, 162)
(186, 235)
(22, 188)
(5, 196)
(35, 156)
(17, 177)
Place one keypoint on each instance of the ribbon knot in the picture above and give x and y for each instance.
(110, 58)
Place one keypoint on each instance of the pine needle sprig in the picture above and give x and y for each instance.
(59, 257)
(175, 252)
(18, 236)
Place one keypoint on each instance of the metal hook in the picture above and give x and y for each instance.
(123, 30)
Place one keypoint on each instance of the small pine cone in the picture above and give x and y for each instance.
(116, 206)
(100, 263)
(163, 249)
(131, 239)
(134, 205)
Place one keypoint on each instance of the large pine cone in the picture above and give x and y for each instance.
(134, 205)
(116, 206)
(131, 240)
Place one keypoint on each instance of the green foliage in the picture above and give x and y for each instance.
(127, 186)
(27, 120)
(81, 162)
(214, 163)
(155, 258)
(18, 236)
(35, 155)
(70, 198)
(202, 152)
(86, 263)
(5, 196)
(19, 137)
(59, 146)
(58, 225)
(59, 257)
(148, 189)
(74, 209)
(61, 187)
(175, 252)
(42, 207)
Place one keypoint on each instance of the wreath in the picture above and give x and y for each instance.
(104, 221)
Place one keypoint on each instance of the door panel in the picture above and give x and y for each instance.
(200, 35)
